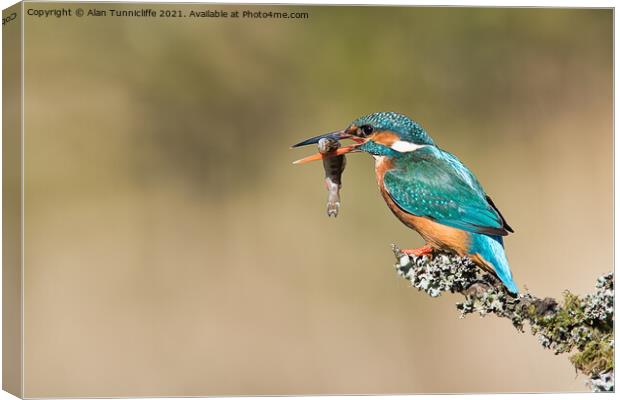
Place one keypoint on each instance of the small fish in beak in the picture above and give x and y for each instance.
(333, 166)
(334, 161)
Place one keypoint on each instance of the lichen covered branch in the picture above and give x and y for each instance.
(582, 326)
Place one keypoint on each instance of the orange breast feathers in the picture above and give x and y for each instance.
(439, 236)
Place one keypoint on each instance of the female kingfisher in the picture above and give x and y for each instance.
(429, 190)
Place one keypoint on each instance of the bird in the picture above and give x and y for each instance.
(429, 190)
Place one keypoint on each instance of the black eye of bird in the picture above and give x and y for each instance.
(366, 130)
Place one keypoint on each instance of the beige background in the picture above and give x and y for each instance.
(172, 248)
(11, 202)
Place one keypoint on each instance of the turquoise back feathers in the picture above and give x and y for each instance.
(432, 183)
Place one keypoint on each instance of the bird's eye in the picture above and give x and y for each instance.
(366, 130)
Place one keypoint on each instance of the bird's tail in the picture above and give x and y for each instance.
(491, 250)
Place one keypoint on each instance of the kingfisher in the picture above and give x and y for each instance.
(429, 190)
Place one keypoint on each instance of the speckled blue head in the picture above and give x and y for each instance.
(400, 124)
(381, 134)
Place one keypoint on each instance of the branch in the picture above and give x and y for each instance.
(581, 326)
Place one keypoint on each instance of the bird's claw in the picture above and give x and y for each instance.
(425, 250)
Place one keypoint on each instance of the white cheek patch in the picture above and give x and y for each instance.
(403, 146)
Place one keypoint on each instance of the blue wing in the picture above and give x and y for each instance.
(432, 183)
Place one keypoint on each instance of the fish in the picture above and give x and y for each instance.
(334, 167)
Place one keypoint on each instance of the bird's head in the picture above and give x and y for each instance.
(381, 134)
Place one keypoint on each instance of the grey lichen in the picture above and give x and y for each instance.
(580, 326)
(602, 382)
(440, 274)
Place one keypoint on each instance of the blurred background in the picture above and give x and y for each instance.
(172, 248)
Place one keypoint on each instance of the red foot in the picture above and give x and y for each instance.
(425, 250)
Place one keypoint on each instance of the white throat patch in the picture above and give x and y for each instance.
(403, 146)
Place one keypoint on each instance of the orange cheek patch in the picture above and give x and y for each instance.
(386, 138)
(382, 165)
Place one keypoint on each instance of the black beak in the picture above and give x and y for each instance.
(336, 135)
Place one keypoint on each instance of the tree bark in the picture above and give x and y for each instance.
(582, 327)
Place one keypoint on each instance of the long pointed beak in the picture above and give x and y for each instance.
(319, 156)
(336, 135)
